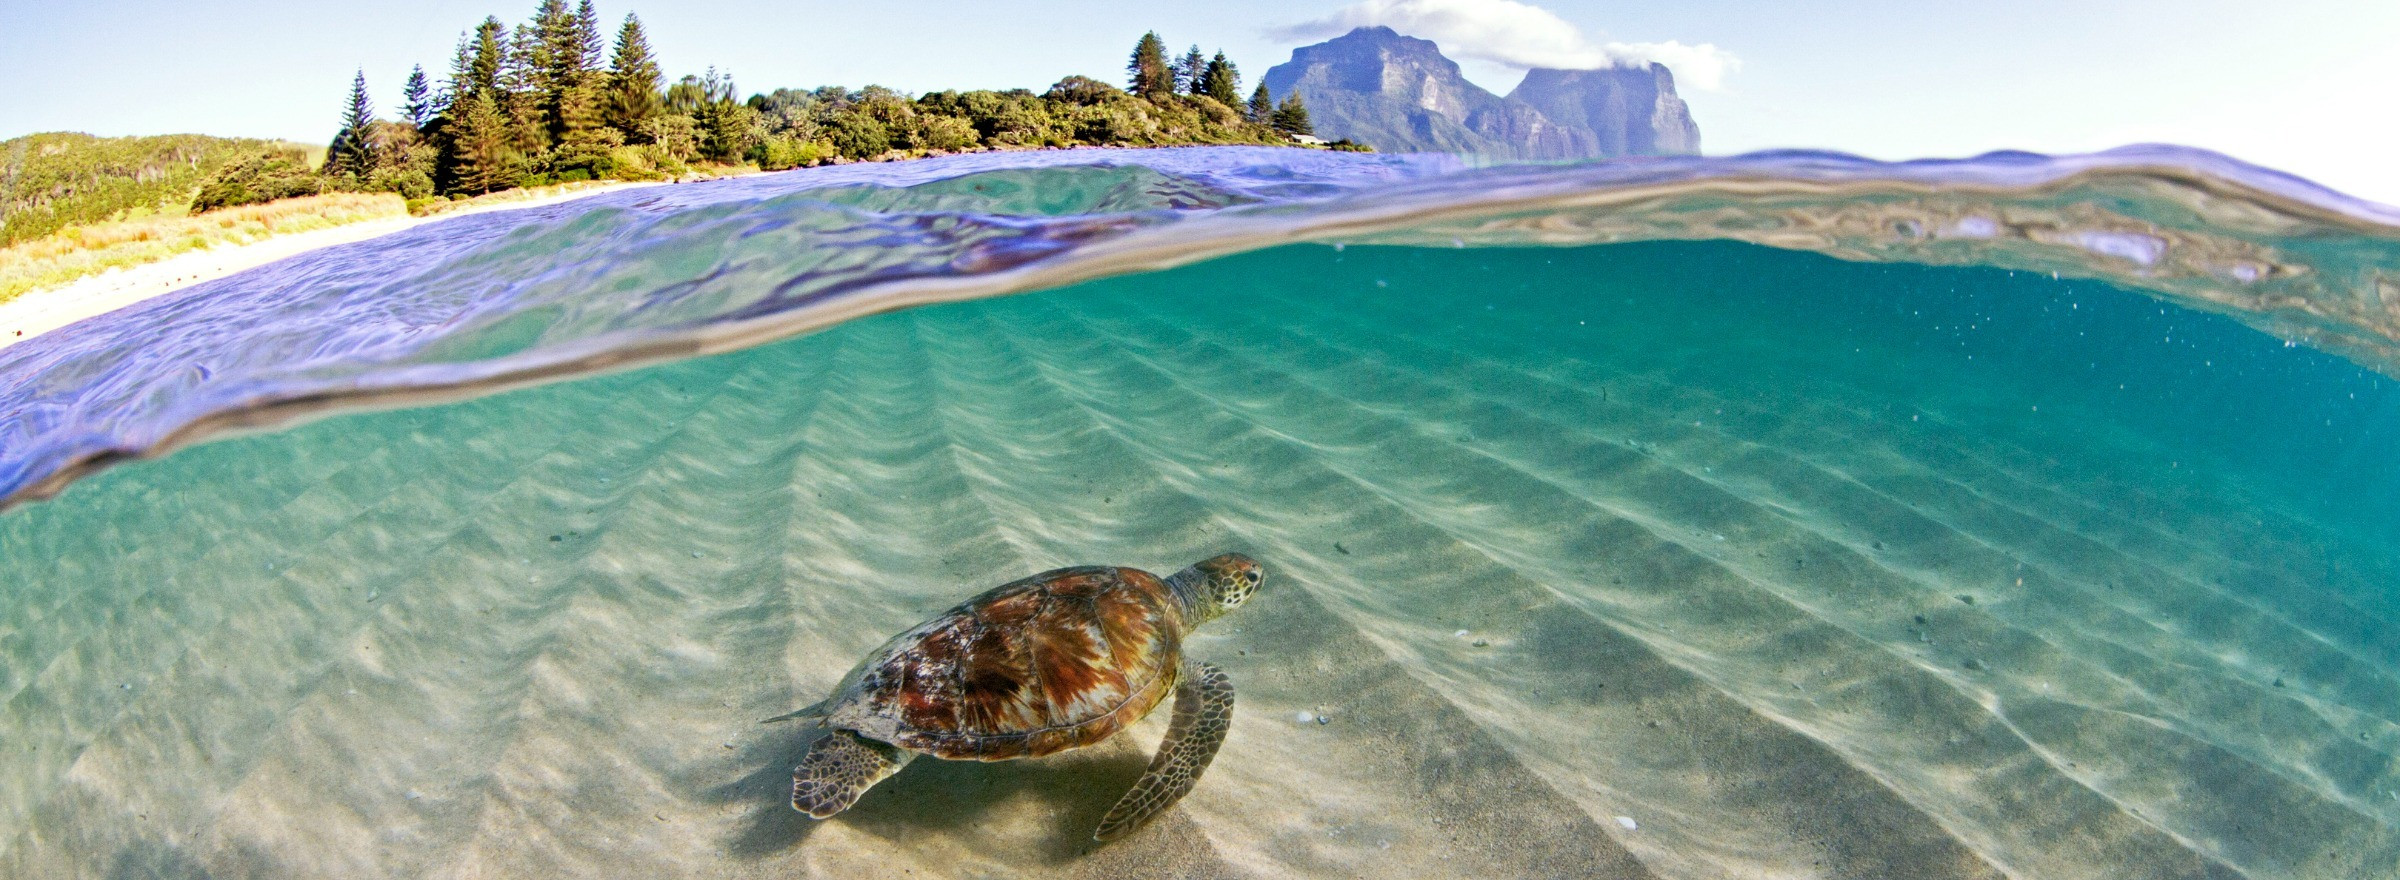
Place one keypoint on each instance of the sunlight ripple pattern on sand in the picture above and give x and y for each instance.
(1754, 548)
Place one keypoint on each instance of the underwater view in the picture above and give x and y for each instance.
(1785, 515)
(1375, 439)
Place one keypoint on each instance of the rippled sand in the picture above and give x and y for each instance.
(1559, 589)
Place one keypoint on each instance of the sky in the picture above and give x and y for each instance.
(2306, 86)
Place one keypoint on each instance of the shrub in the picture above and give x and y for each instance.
(731, 131)
(396, 147)
(896, 114)
(590, 153)
(946, 103)
(632, 163)
(1108, 125)
(1026, 125)
(781, 152)
(1084, 91)
(410, 183)
(858, 136)
(264, 177)
(664, 163)
(675, 135)
(946, 133)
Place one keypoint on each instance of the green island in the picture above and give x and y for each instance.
(549, 106)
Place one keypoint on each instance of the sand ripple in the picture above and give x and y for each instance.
(1531, 579)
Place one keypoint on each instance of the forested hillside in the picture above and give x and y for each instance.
(50, 181)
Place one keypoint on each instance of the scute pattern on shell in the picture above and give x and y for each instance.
(1061, 659)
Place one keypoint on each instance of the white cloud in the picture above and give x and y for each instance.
(1702, 67)
(1517, 35)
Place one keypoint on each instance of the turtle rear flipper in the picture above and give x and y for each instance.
(839, 768)
(812, 714)
(1203, 711)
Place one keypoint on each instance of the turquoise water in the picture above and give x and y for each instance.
(1657, 558)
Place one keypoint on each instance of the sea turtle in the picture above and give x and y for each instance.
(1060, 660)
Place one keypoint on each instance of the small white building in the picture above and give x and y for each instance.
(1310, 140)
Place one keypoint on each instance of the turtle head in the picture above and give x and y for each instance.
(1217, 584)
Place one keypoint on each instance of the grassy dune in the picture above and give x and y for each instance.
(77, 251)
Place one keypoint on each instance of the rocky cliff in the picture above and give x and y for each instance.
(1629, 111)
(1400, 94)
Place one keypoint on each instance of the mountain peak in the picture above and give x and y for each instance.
(1401, 94)
(1631, 109)
(1374, 46)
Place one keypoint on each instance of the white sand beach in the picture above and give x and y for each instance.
(40, 311)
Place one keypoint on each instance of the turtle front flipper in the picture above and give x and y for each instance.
(840, 767)
(1203, 711)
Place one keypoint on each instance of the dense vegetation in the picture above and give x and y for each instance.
(540, 104)
(50, 181)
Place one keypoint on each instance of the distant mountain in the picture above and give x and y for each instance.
(1629, 111)
(1378, 87)
(1400, 94)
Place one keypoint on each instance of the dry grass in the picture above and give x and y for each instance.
(430, 207)
(75, 252)
(135, 238)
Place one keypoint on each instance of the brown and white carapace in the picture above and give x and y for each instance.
(1056, 661)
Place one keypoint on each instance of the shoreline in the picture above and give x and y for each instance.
(35, 312)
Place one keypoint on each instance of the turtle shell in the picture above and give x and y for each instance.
(1055, 661)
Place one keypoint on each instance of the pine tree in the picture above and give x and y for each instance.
(1188, 70)
(491, 54)
(1221, 81)
(349, 154)
(418, 97)
(582, 107)
(1149, 74)
(587, 35)
(723, 120)
(1291, 117)
(475, 69)
(1262, 106)
(561, 71)
(521, 96)
(479, 158)
(551, 28)
(462, 76)
(554, 25)
(586, 109)
(633, 81)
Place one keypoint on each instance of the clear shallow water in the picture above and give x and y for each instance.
(1683, 533)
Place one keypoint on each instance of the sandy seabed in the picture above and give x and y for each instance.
(1537, 608)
